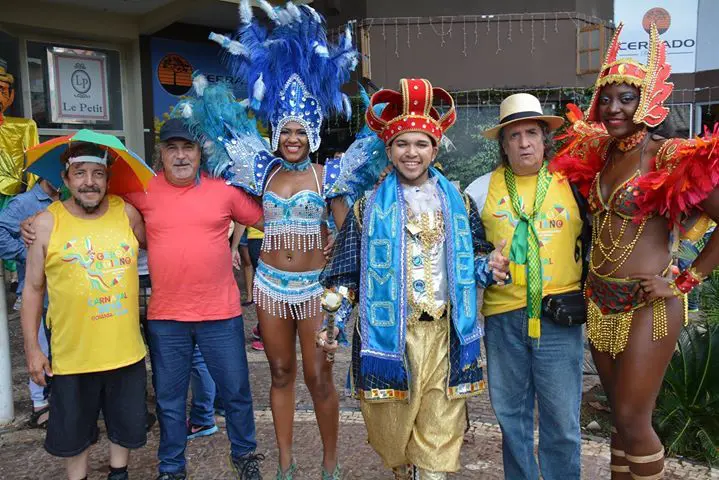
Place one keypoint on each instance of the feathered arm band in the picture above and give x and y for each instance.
(686, 172)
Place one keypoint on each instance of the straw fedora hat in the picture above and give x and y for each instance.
(521, 106)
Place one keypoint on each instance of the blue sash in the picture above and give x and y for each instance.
(383, 281)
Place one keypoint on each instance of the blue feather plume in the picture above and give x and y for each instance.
(363, 161)
(210, 115)
(295, 43)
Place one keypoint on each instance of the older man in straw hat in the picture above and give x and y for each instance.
(539, 216)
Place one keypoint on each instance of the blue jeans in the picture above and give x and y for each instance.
(222, 343)
(39, 394)
(519, 369)
(202, 409)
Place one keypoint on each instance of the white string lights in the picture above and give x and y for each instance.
(443, 28)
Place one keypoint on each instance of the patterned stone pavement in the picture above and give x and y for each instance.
(22, 455)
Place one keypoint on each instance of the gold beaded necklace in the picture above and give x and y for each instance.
(616, 252)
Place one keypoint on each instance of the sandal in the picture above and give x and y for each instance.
(35, 418)
(335, 475)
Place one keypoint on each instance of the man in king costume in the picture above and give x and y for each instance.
(413, 252)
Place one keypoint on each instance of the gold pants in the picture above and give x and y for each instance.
(428, 431)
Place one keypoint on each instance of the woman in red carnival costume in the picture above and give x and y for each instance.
(643, 191)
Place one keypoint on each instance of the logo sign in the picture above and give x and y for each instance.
(175, 74)
(78, 86)
(173, 63)
(676, 21)
(80, 80)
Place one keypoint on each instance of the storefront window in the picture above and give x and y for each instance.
(709, 115)
(680, 117)
(108, 70)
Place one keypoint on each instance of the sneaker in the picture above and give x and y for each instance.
(18, 304)
(197, 431)
(256, 333)
(118, 476)
(172, 476)
(247, 467)
(258, 345)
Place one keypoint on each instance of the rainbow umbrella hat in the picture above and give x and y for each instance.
(128, 172)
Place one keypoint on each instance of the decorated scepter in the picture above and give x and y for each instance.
(331, 302)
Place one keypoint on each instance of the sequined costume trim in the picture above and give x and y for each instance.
(611, 303)
(294, 223)
(275, 289)
(425, 246)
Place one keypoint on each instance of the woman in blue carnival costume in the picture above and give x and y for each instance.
(411, 253)
(293, 77)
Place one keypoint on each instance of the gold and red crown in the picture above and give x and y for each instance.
(650, 79)
(411, 110)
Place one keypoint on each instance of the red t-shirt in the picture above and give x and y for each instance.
(188, 250)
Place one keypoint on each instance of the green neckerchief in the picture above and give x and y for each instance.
(525, 263)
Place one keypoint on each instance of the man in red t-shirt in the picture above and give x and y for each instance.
(195, 299)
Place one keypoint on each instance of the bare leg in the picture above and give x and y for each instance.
(77, 466)
(248, 271)
(606, 368)
(279, 338)
(318, 377)
(639, 375)
(119, 456)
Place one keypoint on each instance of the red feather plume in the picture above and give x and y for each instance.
(581, 157)
(687, 172)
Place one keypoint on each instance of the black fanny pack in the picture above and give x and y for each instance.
(565, 309)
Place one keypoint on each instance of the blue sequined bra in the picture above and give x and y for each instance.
(295, 222)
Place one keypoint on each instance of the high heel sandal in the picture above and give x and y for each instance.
(335, 475)
(287, 474)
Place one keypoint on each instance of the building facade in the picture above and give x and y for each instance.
(143, 54)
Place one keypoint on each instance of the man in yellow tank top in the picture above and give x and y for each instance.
(85, 252)
(536, 213)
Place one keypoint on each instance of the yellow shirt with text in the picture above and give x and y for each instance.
(92, 283)
(558, 225)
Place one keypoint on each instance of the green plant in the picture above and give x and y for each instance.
(709, 298)
(687, 411)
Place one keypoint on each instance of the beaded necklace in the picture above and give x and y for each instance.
(616, 252)
(296, 166)
(632, 141)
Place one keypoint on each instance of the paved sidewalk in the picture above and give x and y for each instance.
(22, 455)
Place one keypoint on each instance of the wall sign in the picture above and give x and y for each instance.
(78, 86)
(676, 22)
(173, 62)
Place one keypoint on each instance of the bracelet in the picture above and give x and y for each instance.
(687, 280)
(695, 273)
(675, 290)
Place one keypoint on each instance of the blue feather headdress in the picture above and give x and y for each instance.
(232, 146)
(292, 72)
(363, 161)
